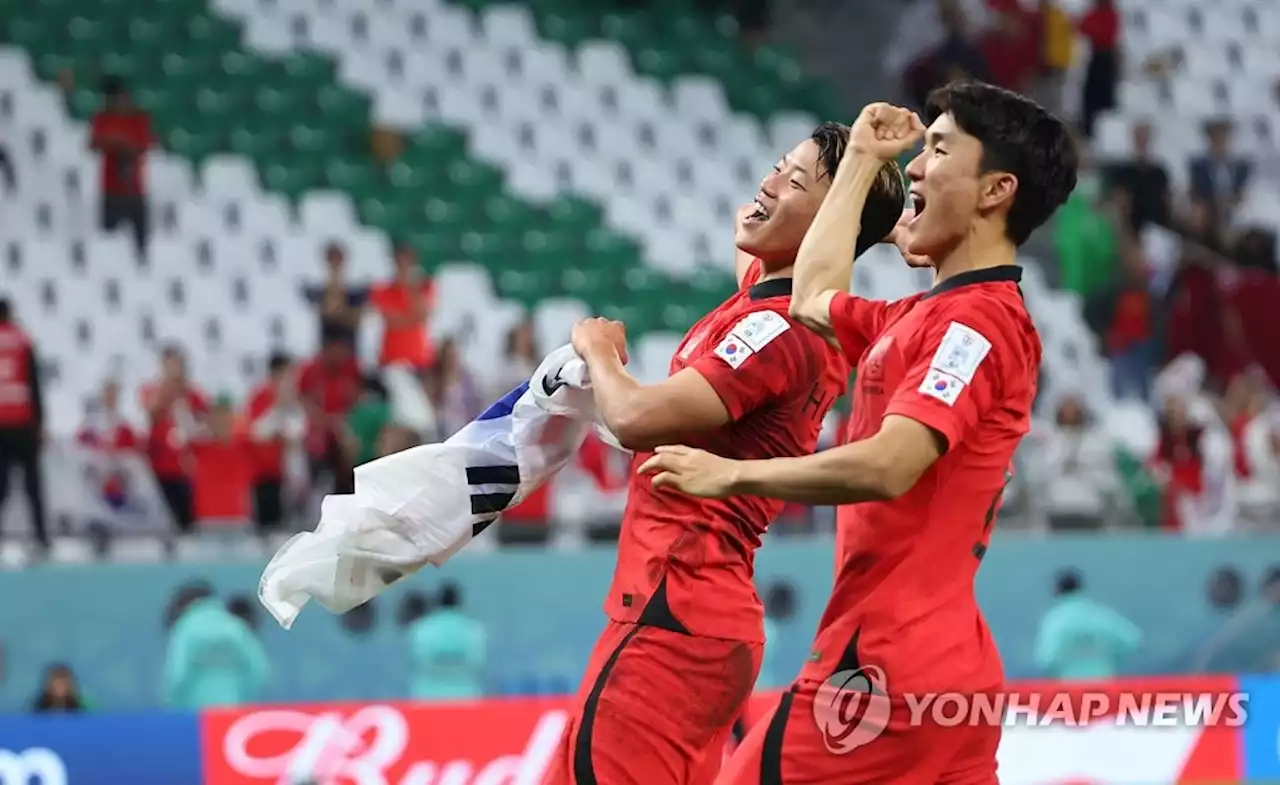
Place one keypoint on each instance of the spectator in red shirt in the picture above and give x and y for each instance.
(1178, 462)
(175, 410)
(1101, 26)
(404, 303)
(329, 386)
(122, 134)
(224, 470)
(274, 419)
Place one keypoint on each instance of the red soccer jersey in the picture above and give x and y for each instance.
(124, 174)
(686, 563)
(962, 359)
(223, 479)
(268, 454)
(164, 446)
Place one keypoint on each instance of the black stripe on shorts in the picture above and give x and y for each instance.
(771, 751)
(584, 771)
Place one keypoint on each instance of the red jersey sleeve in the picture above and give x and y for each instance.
(764, 357)
(197, 401)
(260, 403)
(957, 373)
(858, 322)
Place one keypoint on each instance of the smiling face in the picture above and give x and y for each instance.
(785, 205)
(949, 190)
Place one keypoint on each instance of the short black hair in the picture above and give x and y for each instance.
(244, 609)
(1069, 582)
(278, 362)
(450, 595)
(888, 194)
(6, 310)
(1020, 137)
(414, 606)
(113, 86)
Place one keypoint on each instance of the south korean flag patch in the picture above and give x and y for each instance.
(751, 334)
(955, 363)
(941, 385)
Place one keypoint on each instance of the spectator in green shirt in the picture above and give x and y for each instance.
(1081, 638)
(1085, 235)
(367, 419)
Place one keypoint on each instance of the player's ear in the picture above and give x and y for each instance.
(996, 188)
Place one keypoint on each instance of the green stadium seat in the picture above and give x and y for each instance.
(304, 130)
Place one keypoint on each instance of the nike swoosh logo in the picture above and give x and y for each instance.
(549, 385)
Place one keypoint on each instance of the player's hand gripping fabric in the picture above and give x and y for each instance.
(592, 335)
(885, 131)
(695, 472)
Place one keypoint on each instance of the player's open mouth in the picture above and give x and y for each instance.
(759, 215)
(917, 202)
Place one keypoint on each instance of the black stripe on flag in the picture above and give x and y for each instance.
(493, 475)
(488, 503)
(480, 526)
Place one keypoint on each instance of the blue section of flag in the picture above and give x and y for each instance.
(503, 406)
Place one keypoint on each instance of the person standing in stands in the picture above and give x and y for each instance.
(1081, 639)
(223, 460)
(21, 418)
(1101, 27)
(447, 651)
(213, 657)
(339, 304)
(329, 385)
(404, 303)
(121, 133)
(275, 420)
(175, 409)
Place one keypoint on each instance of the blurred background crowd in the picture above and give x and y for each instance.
(248, 245)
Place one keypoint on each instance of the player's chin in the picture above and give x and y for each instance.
(751, 238)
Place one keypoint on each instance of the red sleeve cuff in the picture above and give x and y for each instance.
(931, 413)
(725, 383)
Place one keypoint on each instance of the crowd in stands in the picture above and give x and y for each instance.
(1178, 285)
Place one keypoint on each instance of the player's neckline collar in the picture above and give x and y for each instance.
(1010, 273)
(775, 287)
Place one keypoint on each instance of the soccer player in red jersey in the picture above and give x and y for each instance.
(679, 656)
(945, 385)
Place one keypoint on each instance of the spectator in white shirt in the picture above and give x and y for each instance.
(1253, 420)
(1075, 466)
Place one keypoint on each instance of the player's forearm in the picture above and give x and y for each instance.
(842, 475)
(618, 396)
(825, 260)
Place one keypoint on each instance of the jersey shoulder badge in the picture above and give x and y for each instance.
(961, 351)
(752, 333)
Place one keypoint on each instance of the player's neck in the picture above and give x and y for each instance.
(975, 253)
(782, 270)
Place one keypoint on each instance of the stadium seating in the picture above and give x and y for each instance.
(594, 177)
(1228, 68)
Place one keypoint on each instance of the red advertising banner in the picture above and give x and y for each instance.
(1108, 733)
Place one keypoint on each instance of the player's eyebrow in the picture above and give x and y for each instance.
(934, 138)
(786, 161)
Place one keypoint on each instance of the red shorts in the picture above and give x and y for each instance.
(656, 707)
(788, 746)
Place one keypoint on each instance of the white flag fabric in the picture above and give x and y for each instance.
(422, 505)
